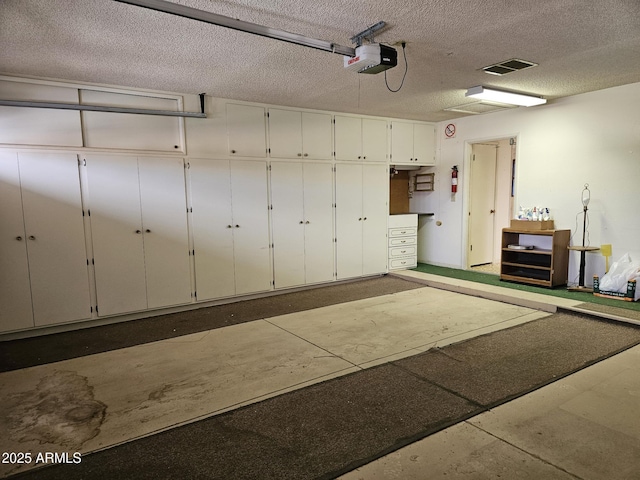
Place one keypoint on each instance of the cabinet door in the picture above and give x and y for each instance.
(54, 228)
(212, 227)
(374, 140)
(166, 238)
(316, 136)
(287, 216)
(349, 220)
(285, 133)
(375, 213)
(318, 223)
(249, 202)
(136, 132)
(116, 232)
(246, 130)
(424, 149)
(348, 135)
(401, 143)
(15, 288)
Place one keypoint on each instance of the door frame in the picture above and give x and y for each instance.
(466, 185)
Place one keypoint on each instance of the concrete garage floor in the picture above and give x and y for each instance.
(584, 426)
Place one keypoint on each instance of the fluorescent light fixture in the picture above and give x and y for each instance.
(483, 93)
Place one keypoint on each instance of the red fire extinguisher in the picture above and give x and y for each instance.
(454, 179)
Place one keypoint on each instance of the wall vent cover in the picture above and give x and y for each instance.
(508, 66)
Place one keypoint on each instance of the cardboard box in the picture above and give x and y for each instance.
(532, 225)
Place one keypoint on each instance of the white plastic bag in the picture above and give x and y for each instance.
(621, 271)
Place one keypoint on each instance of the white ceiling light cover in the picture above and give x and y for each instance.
(492, 95)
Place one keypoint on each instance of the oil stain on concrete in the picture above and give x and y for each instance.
(61, 411)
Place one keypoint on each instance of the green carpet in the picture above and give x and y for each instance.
(490, 279)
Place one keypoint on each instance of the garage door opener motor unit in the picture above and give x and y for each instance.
(372, 58)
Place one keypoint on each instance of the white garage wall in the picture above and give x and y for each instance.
(592, 138)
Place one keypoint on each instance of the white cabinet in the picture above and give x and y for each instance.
(403, 241)
(139, 232)
(361, 139)
(230, 225)
(295, 134)
(412, 144)
(39, 126)
(131, 132)
(361, 219)
(246, 130)
(302, 219)
(44, 276)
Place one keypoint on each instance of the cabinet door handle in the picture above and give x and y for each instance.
(148, 231)
(360, 219)
(229, 226)
(306, 155)
(19, 239)
(307, 222)
(233, 151)
(237, 226)
(299, 154)
(31, 237)
(301, 222)
(365, 218)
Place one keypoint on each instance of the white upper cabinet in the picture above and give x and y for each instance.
(361, 139)
(412, 144)
(246, 130)
(295, 134)
(39, 126)
(131, 131)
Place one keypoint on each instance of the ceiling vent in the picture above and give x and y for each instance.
(509, 66)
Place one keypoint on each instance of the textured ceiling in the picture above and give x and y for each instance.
(580, 46)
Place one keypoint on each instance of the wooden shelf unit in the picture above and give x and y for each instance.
(546, 265)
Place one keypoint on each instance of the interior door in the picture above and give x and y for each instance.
(482, 182)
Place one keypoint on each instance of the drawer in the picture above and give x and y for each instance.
(399, 241)
(403, 251)
(402, 232)
(408, 262)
